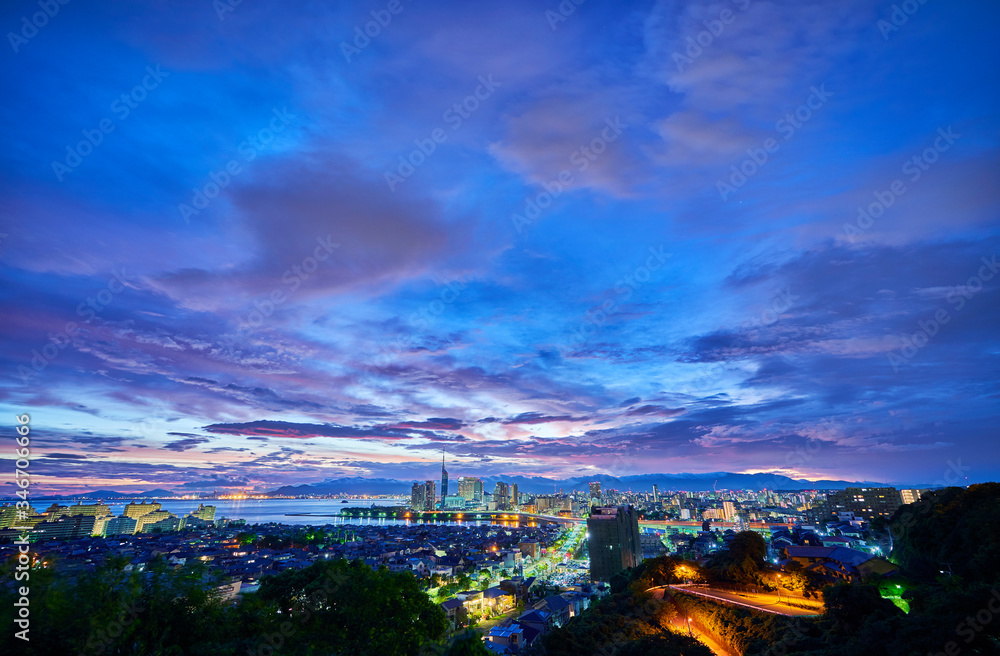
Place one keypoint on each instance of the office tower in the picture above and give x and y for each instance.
(656, 493)
(422, 496)
(515, 498)
(470, 488)
(444, 479)
(728, 511)
(501, 495)
(430, 494)
(595, 490)
(417, 496)
(613, 540)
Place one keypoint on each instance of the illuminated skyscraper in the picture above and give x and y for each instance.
(470, 488)
(728, 511)
(501, 495)
(444, 479)
(422, 496)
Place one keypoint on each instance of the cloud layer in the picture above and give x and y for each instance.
(666, 236)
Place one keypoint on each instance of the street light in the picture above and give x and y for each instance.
(689, 628)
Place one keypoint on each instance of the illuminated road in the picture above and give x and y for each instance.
(767, 603)
(682, 624)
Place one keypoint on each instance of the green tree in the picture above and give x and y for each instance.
(349, 608)
(743, 560)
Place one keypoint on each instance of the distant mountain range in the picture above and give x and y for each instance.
(541, 485)
(107, 494)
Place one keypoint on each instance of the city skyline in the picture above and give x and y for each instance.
(631, 240)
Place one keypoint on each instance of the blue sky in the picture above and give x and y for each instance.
(247, 248)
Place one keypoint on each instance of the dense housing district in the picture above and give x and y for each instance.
(514, 580)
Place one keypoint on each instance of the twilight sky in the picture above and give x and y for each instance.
(251, 245)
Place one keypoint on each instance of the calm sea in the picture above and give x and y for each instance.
(259, 511)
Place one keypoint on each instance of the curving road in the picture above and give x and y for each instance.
(767, 603)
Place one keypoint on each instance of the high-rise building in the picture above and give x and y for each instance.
(470, 488)
(613, 540)
(430, 494)
(123, 525)
(67, 527)
(656, 493)
(515, 498)
(12, 516)
(417, 496)
(137, 510)
(422, 496)
(205, 512)
(728, 511)
(866, 503)
(56, 511)
(444, 479)
(911, 496)
(501, 496)
(149, 519)
(595, 490)
(166, 524)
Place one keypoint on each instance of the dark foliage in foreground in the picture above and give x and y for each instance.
(331, 607)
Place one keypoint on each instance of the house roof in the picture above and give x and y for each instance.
(534, 616)
(530, 633)
(840, 554)
(555, 603)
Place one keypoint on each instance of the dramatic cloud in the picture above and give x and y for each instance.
(638, 240)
